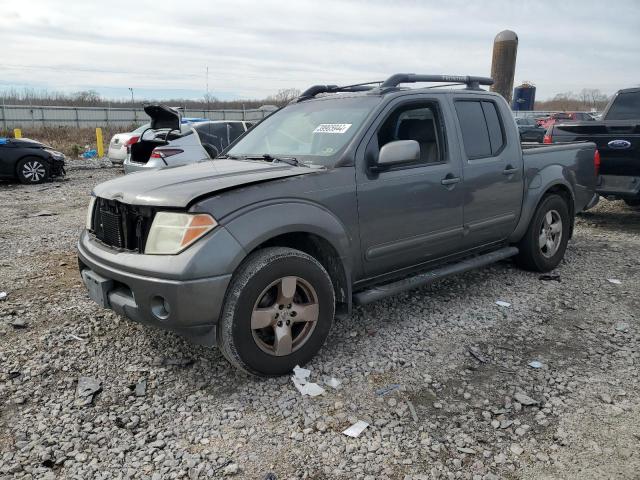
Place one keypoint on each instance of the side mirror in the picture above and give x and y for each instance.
(397, 152)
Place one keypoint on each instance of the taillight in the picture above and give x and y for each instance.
(131, 141)
(596, 162)
(547, 138)
(165, 152)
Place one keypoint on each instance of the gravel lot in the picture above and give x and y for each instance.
(468, 403)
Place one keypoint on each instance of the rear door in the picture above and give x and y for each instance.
(492, 169)
(412, 213)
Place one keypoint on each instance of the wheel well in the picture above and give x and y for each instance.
(325, 253)
(565, 193)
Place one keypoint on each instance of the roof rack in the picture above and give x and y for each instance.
(473, 83)
(317, 89)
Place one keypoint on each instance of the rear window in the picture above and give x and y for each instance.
(482, 132)
(626, 106)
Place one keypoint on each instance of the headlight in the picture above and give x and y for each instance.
(173, 232)
(92, 204)
(55, 154)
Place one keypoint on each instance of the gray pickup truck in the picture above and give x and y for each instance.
(347, 195)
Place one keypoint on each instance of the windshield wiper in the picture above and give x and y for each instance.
(270, 158)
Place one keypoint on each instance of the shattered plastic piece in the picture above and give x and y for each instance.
(469, 451)
(43, 213)
(615, 281)
(3, 295)
(75, 337)
(500, 303)
(412, 409)
(548, 277)
(333, 382)
(524, 399)
(307, 388)
(535, 364)
(478, 355)
(387, 389)
(301, 373)
(356, 429)
(140, 389)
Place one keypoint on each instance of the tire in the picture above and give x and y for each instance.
(32, 170)
(551, 212)
(263, 283)
(632, 202)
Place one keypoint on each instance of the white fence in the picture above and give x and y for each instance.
(25, 116)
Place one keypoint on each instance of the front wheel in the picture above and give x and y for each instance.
(278, 312)
(32, 170)
(543, 246)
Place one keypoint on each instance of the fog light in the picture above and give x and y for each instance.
(160, 307)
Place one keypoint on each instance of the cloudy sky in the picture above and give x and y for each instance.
(254, 48)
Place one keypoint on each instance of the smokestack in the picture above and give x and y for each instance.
(503, 66)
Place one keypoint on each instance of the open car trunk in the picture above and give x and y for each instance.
(162, 118)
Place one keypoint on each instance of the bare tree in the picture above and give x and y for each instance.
(284, 96)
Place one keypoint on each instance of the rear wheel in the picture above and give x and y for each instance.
(278, 312)
(544, 245)
(32, 170)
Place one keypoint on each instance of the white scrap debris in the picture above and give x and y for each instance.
(333, 382)
(305, 387)
(301, 373)
(356, 429)
(535, 364)
(501, 303)
(615, 281)
(3, 295)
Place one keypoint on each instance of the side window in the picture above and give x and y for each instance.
(482, 131)
(419, 122)
(475, 134)
(496, 134)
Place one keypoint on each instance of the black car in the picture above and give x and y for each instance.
(29, 161)
(529, 130)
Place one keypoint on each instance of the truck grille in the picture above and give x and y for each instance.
(121, 226)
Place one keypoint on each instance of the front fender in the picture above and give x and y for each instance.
(256, 224)
(548, 178)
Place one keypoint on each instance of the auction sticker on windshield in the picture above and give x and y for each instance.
(332, 128)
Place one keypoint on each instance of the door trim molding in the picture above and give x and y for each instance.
(378, 251)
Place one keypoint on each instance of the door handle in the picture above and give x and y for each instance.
(509, 170)
(450, 180)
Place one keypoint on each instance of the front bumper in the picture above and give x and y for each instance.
(160, 291)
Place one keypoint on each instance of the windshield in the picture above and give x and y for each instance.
(314, 132)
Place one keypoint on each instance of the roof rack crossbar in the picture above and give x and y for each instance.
(471, 82)
(317, 89)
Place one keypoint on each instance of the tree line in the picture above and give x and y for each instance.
(91, 98)
(586, 100)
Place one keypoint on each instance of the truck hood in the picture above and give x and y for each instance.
(178, 187)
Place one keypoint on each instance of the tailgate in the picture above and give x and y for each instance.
(617, 141)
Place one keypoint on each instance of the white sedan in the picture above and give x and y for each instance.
(120, 141)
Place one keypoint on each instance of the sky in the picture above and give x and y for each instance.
(161, 49)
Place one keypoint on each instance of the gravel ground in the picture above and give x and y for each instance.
(467, 405)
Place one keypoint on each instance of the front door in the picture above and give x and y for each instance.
(411, 213)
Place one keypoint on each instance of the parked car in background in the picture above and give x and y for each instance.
(29, 161)
(118, 146)
(564, 117)
(120, 141)
(347, 195)
(529, 130)
(617, 136)
(162, 147)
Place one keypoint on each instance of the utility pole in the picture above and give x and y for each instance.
(208, 105)
(131, 90)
